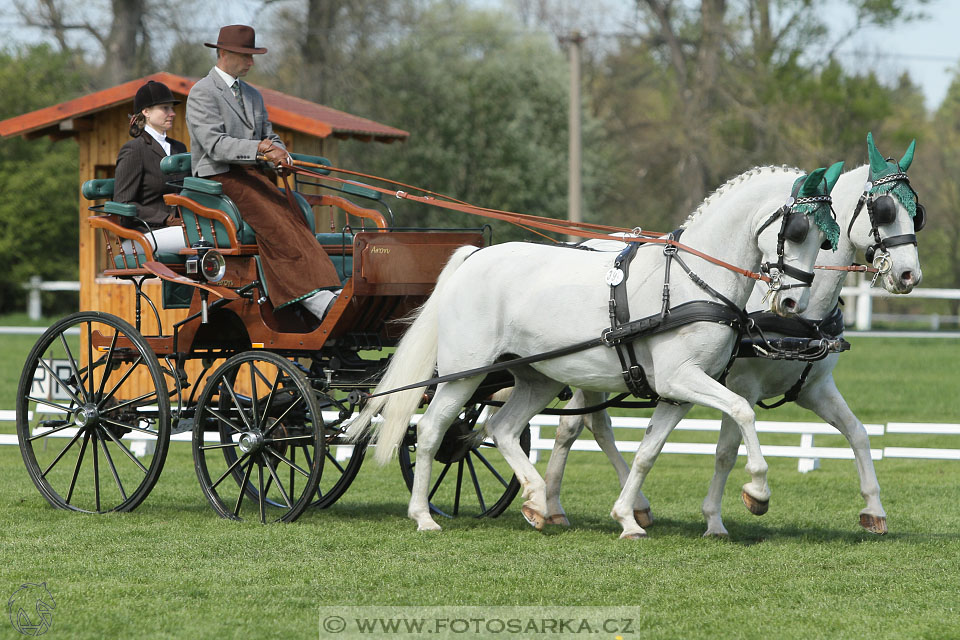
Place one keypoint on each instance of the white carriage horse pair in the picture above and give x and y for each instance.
(885, 230)
(517, 300)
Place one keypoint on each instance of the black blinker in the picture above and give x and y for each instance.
(796, 228)
(826, 244)
(869, 254)
(883, 210)
(920, 219)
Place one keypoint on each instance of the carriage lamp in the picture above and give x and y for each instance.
(213, 266)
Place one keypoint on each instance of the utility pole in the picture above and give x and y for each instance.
(574, 189)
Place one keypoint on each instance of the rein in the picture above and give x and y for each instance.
(581, 229)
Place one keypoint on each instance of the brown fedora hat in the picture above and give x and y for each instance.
(238, 38)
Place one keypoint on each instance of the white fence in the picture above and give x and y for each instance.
(863, 294)
(807, 454)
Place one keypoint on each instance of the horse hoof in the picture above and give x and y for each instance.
(643, 517)
(873, 524)
(558, 519)
(633, 535)
(428, 527)
(756, 507)
(535, 519)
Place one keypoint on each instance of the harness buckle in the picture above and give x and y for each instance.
(605, 337)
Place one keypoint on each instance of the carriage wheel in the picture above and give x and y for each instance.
(467, 480)
(258, 444)
(94, 438)
(342, 464)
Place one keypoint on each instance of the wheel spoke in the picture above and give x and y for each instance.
(290, 463)
(476, 484)
(96, 463)
(236, 402)
(243, 489)
(124, 425)
(456, 497)
(269, 404)
(73, 367)
(263, 498)
(134, 401)
(127, 451)
(61, 381)
(489, 466)
(66, 425)
(254, 402)
(62, 453)
(119, 383)
(436, 486)
(273, 476)
(90, 377)
(230, 469)
(113, 468)
(283, 416)
(334, 461)
(223, 419)
(76, 470)
(106, 364)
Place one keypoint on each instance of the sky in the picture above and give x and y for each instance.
(929, 49)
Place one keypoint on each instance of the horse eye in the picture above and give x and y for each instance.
(796, 227)
(884, 210)
(920, 219)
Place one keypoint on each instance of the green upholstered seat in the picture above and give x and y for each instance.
(126, 209)
(302, 157)
(177, 163)
(128, 262)
(100, 189)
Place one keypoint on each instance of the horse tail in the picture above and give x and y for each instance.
(415, 359)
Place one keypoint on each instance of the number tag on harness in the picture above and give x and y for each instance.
(614, 277)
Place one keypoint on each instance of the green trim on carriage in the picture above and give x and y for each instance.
(128, 261)
(303, 297)
(209, 187)
(126, 209)
(177, 163)
(303, 157)
(359, 189)
(343, 263)
(174, 295)
(98, 189)
(265, 291)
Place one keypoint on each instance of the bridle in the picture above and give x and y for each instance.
(882, 210)
(794, 227)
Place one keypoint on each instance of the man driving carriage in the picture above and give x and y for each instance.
(229, 129)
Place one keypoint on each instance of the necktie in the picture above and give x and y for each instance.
(236, 93)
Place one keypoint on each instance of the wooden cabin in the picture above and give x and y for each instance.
(99, 122)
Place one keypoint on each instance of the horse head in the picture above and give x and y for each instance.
(887, 234)
(806, 224)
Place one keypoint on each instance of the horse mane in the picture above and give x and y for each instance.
(732, 182)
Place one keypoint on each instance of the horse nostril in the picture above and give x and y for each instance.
(789, 304)
(906, 277)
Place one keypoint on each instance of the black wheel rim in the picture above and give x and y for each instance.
(258, 442)
(465, 480)
(93, 438)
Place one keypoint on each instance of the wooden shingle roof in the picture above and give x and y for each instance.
(65, 119)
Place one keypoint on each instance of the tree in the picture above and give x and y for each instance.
(38, 211)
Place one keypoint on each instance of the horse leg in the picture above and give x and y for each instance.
(726, 457)
(443, 410)
(568, 430)
(824, 399)
(665, 418)
(601, 426)
(531, 393)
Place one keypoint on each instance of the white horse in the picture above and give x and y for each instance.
(518, 300)
(758, 379)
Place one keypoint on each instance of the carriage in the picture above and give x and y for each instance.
(261, 393)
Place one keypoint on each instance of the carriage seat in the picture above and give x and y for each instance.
(102, 188)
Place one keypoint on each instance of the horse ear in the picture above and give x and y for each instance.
(878, 164)
(812, 184)
(907, 159)
(833, 174)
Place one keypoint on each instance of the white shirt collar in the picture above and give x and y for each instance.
(229, 79)
(159, 137)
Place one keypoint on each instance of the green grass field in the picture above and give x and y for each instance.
(172, 569)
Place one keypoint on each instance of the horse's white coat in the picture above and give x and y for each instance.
(758, 378)
(524, 299)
